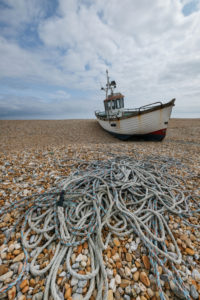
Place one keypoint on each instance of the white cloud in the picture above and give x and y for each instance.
(60, 94)
(150, 48)
(20, 12)
(58, 105)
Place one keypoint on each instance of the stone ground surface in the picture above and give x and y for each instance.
(20, 135)
(30, 155)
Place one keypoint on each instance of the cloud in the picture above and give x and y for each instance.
(56, 106)
(150, 49)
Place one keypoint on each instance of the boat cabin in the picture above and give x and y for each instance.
(114, 104)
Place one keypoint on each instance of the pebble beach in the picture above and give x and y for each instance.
(36, 155)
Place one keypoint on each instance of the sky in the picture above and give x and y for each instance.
(54, 55)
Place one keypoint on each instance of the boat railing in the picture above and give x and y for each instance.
(131, 109)
(141, 108)
(149, 105)
(99, 113)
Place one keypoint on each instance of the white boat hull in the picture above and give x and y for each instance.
(149, 123)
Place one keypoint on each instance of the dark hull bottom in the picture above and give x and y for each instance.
(153, 136)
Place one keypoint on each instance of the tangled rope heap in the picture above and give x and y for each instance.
(123, 195)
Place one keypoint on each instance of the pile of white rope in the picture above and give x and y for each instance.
(119, 196)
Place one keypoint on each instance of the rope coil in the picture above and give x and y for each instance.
(135, 195)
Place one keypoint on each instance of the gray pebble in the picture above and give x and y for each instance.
(32, 239)
(166, 217)
(38, 296)
(193, 292)
(164, 277)
(127, 297)
(77, 297)
(196, 275)
(75, 266)
(7, 232)
(137, 288)
(117, 295)
(14, 267)
(128, 290)
(74, 281)
(74, 288)
(152, 278)
(79, 291)
(190, 259)
(120, 290)
(196, 256)
(19, 295)
(82, 283)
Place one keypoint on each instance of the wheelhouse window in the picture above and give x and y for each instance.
(118, 103)
(113, 104)
(109, 104)
(122, 102)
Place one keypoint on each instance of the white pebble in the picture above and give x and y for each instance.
(84, 258)
(109, 273)
(85, 251)
(117, 279)
(11, 248)
(73, 258)
(127, 271)
(127, 246)
(133, 246)
(83, 264)
(79, 257)
(3, 255)
(6, 276)
(116, 257)
(112, 285)
(137, 240)
(133, 270)
(17, 246)
(77, 296)
(142, 287)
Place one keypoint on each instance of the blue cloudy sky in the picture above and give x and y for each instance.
(54, 53)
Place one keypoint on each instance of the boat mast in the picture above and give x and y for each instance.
(109, 85)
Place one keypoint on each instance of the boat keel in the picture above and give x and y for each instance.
(152, 136)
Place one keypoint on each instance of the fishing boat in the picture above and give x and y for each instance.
(148, 122)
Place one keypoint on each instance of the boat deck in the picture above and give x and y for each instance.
(128, 113)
